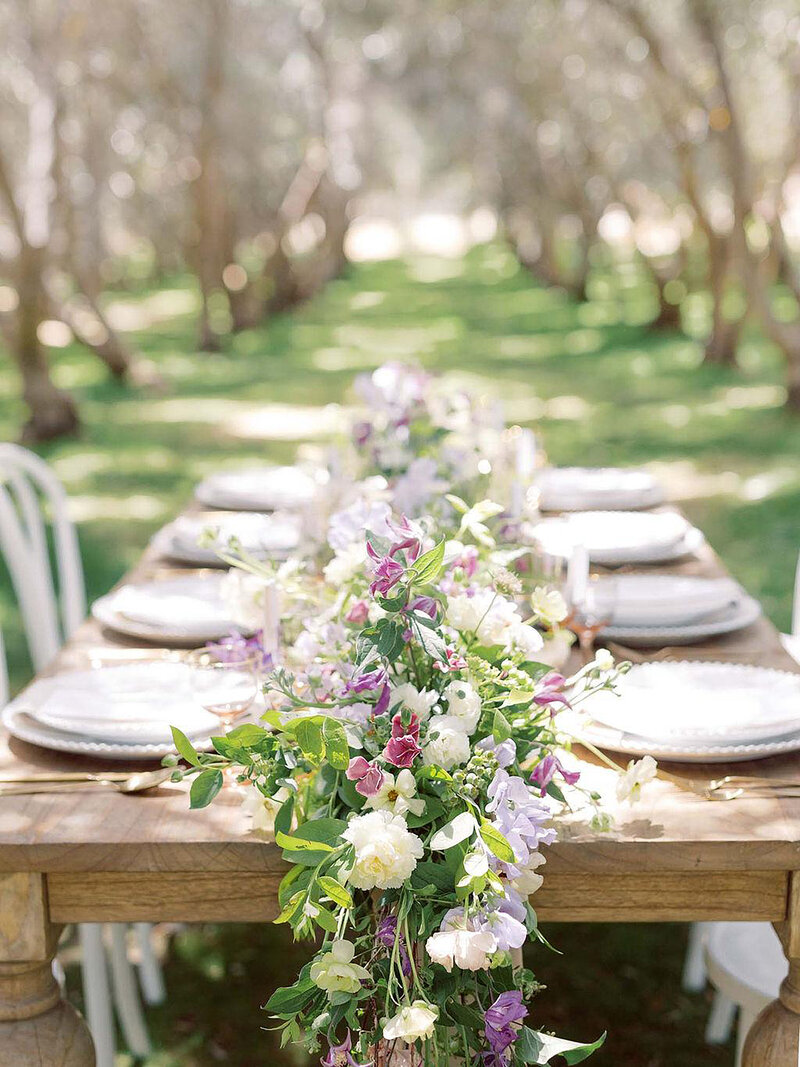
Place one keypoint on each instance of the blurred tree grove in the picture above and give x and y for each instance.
(239, 140)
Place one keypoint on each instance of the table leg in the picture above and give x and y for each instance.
(37, 1027)
(774, 1038)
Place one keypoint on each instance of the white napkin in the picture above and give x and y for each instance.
(665, 599)
(267, 488)
(190, 605)
(257, 533)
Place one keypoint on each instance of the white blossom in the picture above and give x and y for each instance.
(386, 850)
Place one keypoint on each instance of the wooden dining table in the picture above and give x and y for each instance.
(98, 856)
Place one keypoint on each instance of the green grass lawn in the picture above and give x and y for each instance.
(601, 387)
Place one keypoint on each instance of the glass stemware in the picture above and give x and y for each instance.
(224, 681)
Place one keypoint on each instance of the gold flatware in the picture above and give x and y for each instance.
(68, 783)
(734, 786)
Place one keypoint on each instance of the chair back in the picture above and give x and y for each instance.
(796, 603)
(50, 593)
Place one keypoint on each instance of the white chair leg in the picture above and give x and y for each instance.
(97, 992)
(126, 994)
(747, 1016)
(151, 977)
(720, 1020)
(693, 979)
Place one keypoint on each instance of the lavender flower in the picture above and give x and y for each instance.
(546, 769)
(236, 647)
(386, 934)
(499, 1020)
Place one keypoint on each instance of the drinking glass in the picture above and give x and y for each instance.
(224, 684)
(591, 605)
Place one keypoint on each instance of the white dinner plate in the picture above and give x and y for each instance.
(261, 535)
(743, 613)
(260, 489)
(184, 612)
(690, 703)
(614, 538)
(134, 703)
(634, 600)
(597, 488)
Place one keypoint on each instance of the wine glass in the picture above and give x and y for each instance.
(591, 601)
(224, 680)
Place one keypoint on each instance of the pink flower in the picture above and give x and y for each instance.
(454, 662)
(552, 690)
(358, 613)
(367, 776)
(386, 570)
(403, 746)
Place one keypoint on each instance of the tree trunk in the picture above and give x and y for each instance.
(52, 411)
(723, 341)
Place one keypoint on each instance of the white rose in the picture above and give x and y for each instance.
(397, 795)
(386, 851)
(448, 742)
(463, 702)
(526, 639)
(345, 564)
(420, 701)
(413, 1021)
(471, 950)
(637, 775)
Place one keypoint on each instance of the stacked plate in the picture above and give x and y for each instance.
(262, 536)
(121, 712)
(614, 538)
(184, 612)
(597, 488)
(704, 712)
(261, 489)
(649, 611)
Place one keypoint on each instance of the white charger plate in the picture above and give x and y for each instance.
(557, 535)
(634, 600)
(597, 488)
(260, 489)
(744, 613)
(109, 610)
(267, 535)
(692, 703)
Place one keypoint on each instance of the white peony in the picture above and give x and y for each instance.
(420, 701)
(549, 605)
(471, 950)
(448, 742)
(465, 612)
(464, 702)
(413, 1021)
(397, 795)
(335, 972)
(346, 564)
(637, 775)
(386, 850)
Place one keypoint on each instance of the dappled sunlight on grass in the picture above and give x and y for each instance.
(287, 422)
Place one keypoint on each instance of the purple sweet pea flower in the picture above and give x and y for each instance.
(386, 570)
(236, 647)
(367, 776)
(499, 1020)
(426, 604)
(546, 769)
(366, 682)
(341, 1055)
(551, 691)
(505, 751)
(382, 704)
(387, 934)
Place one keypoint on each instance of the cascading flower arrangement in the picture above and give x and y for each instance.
(409, 766)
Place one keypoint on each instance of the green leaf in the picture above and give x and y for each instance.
(248, 735)
(204, 788)
(185, 747)
(496, 842)
(430, 640)
(518, 696)
(457, 503)
(537, 1048)
(229, 751)
(337, 751)
(433, 809)
(501, 730)
(390, 639)
(291, 908)
(309, 737)
(289, 1000)
(299, 844)
(428, 566)
(283, 817)
(337, 892)
(326, 919)
(429, 873)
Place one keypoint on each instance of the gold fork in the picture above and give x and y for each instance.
(732, 786)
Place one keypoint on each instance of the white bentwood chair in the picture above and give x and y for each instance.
(30, 495)
(791, 642)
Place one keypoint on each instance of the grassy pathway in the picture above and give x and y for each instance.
(603, 390)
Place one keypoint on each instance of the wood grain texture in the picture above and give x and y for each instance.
(25, 932)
